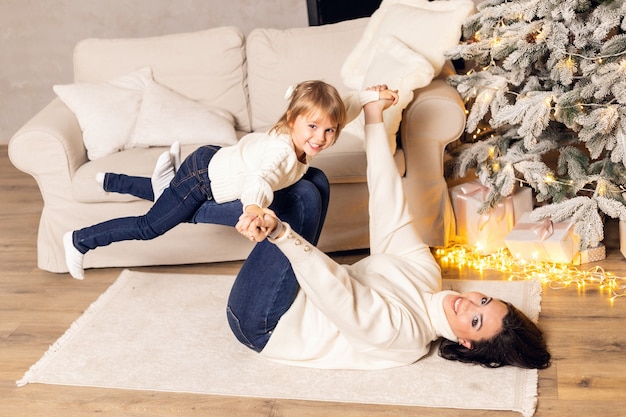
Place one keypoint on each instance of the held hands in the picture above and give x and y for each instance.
(373, 110)
(384, 93)
(255, 225)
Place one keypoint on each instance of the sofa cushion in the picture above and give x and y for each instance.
(166, 116)
(280, 58)
(136, 111)
(206, 66)
(136, 161)
(106, 111)
(427, 27)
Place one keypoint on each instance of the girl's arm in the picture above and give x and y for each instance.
(275, 167)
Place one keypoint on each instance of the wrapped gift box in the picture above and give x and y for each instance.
(544, 241)
(588, 255)
(487, 231)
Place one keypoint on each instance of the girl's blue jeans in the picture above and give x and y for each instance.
(266, 285)
(188, 191)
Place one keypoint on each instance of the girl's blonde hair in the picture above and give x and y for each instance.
(313, 96)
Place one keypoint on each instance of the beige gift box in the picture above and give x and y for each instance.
(544, 240)
(589, 255)
(487, 231)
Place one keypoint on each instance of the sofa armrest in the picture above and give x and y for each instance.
(435, 118)
(50, 148)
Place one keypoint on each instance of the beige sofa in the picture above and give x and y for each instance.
(246, 75)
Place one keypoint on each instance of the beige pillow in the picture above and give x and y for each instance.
(107, 111)
(166, 116)
(427, 27)
(136, 111)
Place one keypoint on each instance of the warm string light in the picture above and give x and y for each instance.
(555, 276)
(549, 178)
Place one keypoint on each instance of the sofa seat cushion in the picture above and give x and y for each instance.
(344, 162)
(207, 66)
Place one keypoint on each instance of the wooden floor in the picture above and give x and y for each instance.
(586, 335)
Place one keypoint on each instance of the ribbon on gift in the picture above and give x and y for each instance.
(545, 228)
(472, 189)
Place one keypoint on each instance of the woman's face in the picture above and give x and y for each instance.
(474, 316)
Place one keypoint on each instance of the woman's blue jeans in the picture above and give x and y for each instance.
(266, 285)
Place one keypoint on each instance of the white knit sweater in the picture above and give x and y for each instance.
(381, 312)
(253, 169)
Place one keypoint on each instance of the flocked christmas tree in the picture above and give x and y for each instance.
(549, 77)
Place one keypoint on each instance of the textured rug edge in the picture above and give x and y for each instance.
(30, 375)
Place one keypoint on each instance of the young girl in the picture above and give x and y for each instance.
(250, 171)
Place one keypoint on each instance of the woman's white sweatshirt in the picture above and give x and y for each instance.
(385, 310)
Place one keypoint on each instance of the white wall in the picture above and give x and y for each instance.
(37, 37)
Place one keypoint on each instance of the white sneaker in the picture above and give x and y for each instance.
(73, 258)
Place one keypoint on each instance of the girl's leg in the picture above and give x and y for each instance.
(126, 184)
(189, 189)
(266, 285)
(146, 188)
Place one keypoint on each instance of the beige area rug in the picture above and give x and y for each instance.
(168, 332)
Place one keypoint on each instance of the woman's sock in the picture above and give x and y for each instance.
(175, 153)
(100, 179)
(162, 175)
(73, 258)
(367, 96)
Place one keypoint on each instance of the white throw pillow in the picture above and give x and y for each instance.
(401, 69)
(166, 116)
(427, 27)
(136, 111)
(107, 111)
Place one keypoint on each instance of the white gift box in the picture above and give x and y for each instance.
(544, 240)
(487, 231)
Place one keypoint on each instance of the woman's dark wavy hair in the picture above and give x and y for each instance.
(519, 343)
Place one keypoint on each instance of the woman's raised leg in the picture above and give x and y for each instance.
(266, 285)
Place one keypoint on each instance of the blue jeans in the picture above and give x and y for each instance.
(266, 285)
(188, 191)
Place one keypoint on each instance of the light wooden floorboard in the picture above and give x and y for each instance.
(585, 334)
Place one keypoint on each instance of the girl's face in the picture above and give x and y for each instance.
(474, 316)
(311, 133)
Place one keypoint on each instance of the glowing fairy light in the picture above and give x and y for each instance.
(601, 188)
(548, 102)
(495, 41)
(552, 275)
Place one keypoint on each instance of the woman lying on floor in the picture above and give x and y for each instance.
(295, 305)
